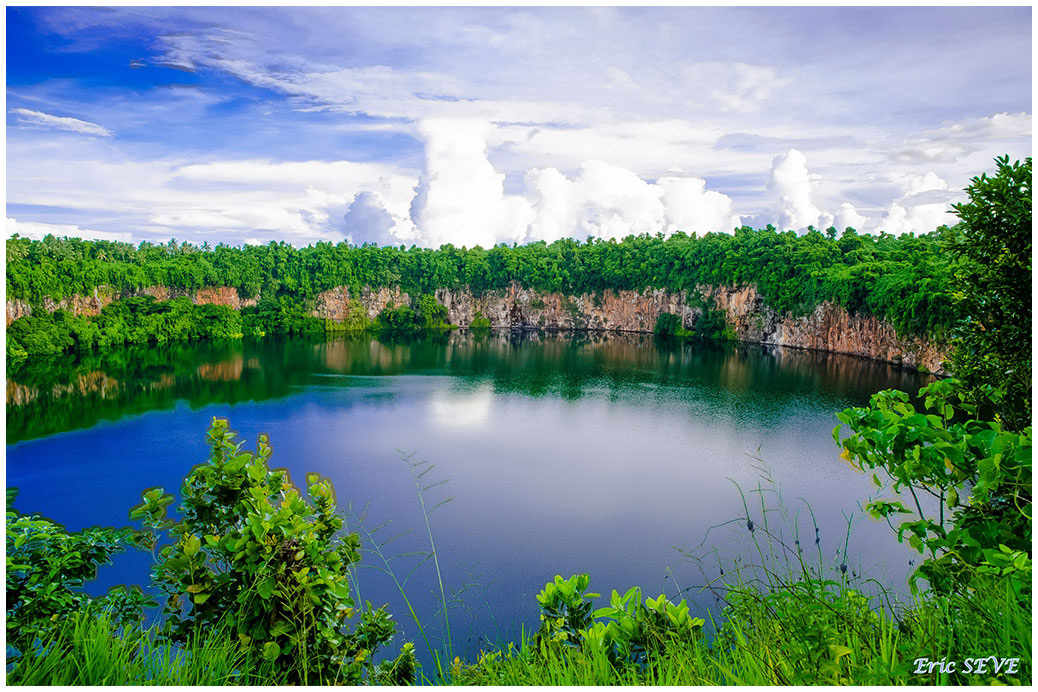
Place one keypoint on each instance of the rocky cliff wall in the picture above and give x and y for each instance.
(828, 328)
(101, 296)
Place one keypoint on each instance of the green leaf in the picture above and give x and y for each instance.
(265, 588)
(271, 651)
(257, 473)
(191, 545)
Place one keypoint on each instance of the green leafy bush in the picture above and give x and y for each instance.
(397, 319)
(46, 569)
(564, 612)
(667, 324)
(635, 630)
(979, 474)
(431, 313)
(627, 631)
(254, 556)
(479, 322)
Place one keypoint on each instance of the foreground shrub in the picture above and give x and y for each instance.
(978, 472)
(250, 555)
(46, 569)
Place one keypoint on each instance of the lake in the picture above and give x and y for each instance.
(614, 455)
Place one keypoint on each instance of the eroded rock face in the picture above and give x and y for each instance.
(221, 295)
(17, 308)
(210, 295)
(828, 328)
(101, 296)
(335, 304)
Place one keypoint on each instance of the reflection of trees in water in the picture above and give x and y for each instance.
(45, 396)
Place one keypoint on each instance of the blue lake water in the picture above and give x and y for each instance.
(608, 455)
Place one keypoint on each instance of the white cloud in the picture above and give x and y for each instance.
(617, 202)
(791, 184)
(300, 201)
(690, 207)
(611, 202)
(460, 197)
(557, 203)
(848, 216)
(368, 220)
(953, 141)
(734, 87)
(922, 208)
(29, 117)
(36, 231)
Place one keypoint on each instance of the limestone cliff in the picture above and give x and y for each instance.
(101, 296)
(828, 328)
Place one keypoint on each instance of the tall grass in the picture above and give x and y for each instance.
(803, 632)
(86, 649)
(444, 653)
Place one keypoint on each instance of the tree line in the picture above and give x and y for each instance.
(902, 279)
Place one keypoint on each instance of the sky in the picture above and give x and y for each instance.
(486, 125)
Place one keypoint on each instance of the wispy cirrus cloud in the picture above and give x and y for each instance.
(57, 122)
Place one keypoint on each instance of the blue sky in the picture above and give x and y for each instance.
(486, 125)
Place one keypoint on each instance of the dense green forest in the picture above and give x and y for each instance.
(902, 279)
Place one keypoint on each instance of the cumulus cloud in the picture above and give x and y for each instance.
(617, 202)
(557, 203)
(36, 231)
(690, 207)
(369, 220)
(611, 202)
(923, 207)
(791, 184)
(848, 217)
(57, 122)
(460, 197)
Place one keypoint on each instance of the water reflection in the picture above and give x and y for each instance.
(47, 396)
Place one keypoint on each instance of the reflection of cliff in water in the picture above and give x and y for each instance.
(77, 391)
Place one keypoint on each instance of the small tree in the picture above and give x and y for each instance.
(978, 469)
(252, 555)
(992, 289)
(432, 314)
(978, 473)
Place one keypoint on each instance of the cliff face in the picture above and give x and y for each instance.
(828, 328)
(101, 296)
